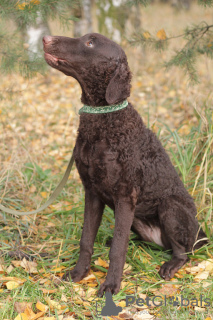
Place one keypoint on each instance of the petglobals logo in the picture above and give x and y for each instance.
(159, 301)
(110, 308)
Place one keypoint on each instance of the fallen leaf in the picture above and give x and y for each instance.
(202, 276)
(9, 269)
(29, 266)
(146, 35)
(58, 269)
(91, 292)
(48, 291)
(129, 286)
(125, 314)
(143, 315)
(122, 304)
(161, 34)
(16, 263)
(44, 194)
(38, 316)
(199, 309)
(101, 263)
(20, 281)
(78, 289)
(1, 268)
(63, 298)
(21, 316)
(12, 285)
(89, 278)
(99, 274)
(29, 312)
(21, 306)
(53, 304)
(42, 307)
(127, 268)
(206, 284)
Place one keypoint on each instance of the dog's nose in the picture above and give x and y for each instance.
(47, 39)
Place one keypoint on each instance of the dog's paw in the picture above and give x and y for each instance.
(169, 268)
(75, 275)
(108, 287)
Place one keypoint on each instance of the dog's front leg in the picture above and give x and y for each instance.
(92, 218)
(124, 214)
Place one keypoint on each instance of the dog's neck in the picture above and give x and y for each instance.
(93, 97)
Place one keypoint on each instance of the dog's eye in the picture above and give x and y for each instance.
(89, 43)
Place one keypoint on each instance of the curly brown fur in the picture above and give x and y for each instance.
(121, 163)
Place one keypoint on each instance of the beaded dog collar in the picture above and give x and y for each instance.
(104, 109)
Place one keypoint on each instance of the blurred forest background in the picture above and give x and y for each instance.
(169, 45)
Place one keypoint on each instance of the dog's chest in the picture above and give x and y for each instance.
(98, 166)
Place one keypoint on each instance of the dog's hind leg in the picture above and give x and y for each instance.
(179, 226)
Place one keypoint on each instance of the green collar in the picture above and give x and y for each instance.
(104, 109)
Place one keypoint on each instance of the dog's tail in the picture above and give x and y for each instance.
(201, 240)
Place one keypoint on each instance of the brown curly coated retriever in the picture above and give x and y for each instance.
(121, 163)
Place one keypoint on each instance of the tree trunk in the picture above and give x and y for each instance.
(34, 35)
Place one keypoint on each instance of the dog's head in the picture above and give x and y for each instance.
(97, 63)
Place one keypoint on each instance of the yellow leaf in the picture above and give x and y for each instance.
(92, 284)
(90, 292)
(38, 315)
(53, 304)
(12, 285)
(20, 281)
(161, 34)
(21, 316)
(101, 263)
(43, 194)
(58, 269)
(29, 312)
(146, 35)
(21, 6)
(89, 278)
(42, 307)
(122, 304)
(99, 274)
(127, 268)
(78, 289)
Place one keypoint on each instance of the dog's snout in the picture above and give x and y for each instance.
(47, 39)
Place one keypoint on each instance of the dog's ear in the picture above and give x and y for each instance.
(119, 86)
